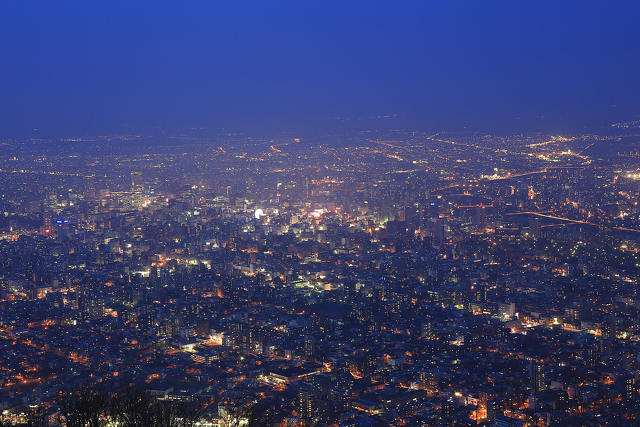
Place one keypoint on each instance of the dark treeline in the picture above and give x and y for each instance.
(134, 407)
(130, 407)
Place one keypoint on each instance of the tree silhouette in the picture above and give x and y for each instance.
(84, 408)
(130, 407)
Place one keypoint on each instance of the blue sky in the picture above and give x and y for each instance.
(103, 66)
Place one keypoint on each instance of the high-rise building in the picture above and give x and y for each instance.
(539, 377)
(626, 385)
(305, 404)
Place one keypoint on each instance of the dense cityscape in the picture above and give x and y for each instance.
(319, 213)
(369, 278)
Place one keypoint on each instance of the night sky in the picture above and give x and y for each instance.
(93, 67)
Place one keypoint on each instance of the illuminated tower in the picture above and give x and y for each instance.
(47, 223)
(306, 186)
(137, 182)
